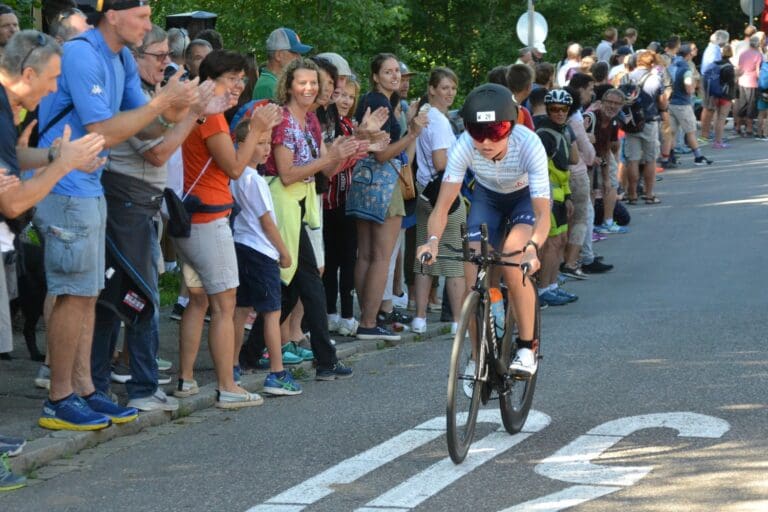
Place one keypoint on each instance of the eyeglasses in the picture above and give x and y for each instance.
(40, 41)
(235, 80)
(491, 131)
(67, 13)
(562, 109)
(159, 56)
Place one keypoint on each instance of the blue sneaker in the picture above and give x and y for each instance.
(9, 481)
(613, 229)
(72, 413)
(99, 402)
(237, 374)
(11, 446)
(289, 357)
(551, 298)
(281, 383)
(569, 296)
(294, 348)
(337, 371)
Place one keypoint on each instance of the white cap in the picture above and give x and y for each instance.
(539, 47)
(342, 66)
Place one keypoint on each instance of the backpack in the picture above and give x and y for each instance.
(762, 82)
(712, 84)
(632, 116)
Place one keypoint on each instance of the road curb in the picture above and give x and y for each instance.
(60, 444)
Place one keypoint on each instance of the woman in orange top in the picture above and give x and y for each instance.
(210, 265)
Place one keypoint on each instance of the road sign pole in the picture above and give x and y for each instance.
(530, 24)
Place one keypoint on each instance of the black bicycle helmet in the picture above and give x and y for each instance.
(489, 103)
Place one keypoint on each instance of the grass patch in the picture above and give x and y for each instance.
(169, 288)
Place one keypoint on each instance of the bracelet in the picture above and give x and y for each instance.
(200, 120)
(165, 124)
(433, 237)
(535, 246)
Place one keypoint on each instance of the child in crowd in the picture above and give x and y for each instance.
(260, 249)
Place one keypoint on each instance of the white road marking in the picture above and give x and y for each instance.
(561, 500)
(310, 491)
(572, 462)
(428, 483)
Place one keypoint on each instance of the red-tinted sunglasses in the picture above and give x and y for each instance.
(491, 131)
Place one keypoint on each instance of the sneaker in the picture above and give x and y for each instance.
(120, 373)
(9, 481)
(400, 301)
(722, 145)
(163, 379)
(43, 377)
(613, 229)
(231, 400)
(376, 333)
(396, 316)
(419, 325)
(294, 348)
(468, 384)
(163, 365)
(186, 388)
(177, 312)
(597, 237)
(702, 160)
(333, 322)
(250, 320)
(71, 413)
(11, 446)
(337, 371)
(348, 326)
(668, 164)
(237, 375)
(158, 401)
(570, 297)
(524, 364)
(289, 357)
(596, 267)
(551, 298)
(101, 403)
(281, 383)
(574, 273)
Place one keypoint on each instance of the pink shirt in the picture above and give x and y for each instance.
(749, 65)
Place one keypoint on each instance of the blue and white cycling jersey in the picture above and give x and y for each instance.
(524, 165)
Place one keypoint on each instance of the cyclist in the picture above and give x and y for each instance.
(511, 186)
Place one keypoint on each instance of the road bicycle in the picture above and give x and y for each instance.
(476, 341)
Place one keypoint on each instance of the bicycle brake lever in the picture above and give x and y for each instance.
(525, 268)
(425, 257)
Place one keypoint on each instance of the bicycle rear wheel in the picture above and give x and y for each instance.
(516, 399)
(463, 390)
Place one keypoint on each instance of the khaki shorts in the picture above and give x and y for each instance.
(641, 147)
(208, 257)
(681, 116)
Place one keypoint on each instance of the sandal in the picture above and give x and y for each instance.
(631, 200)
(652, 200)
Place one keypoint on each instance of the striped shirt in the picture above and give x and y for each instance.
(524, 165)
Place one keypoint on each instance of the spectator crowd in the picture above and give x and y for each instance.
(290, 197)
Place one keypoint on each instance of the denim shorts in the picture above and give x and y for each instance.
(208, 257)
(499, 212)
(259, 280)
(73, 230)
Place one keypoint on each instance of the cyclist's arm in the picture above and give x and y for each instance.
(534, 160)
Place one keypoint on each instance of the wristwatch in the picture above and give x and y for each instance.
(53, 152)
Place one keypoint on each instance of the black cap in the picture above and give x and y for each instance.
(489, 103)
(95, 9)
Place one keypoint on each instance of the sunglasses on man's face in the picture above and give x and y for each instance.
(491, 131)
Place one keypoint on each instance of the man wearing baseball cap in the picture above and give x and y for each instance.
(283, 47)
(99, 91)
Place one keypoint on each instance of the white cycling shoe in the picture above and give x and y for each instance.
(525, 363)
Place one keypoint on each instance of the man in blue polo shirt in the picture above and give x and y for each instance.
(99, 91)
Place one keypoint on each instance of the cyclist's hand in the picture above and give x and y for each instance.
(427, 253)
(529, 263)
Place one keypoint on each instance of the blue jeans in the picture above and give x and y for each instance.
(141, 338)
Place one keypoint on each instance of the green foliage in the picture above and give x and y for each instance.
(24, 10)
(471, 37)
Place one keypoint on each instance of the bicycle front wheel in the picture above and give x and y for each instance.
(463, 388)
(516, 399)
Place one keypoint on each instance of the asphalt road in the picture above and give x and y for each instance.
(651, 397)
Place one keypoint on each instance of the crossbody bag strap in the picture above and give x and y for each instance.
(205, 168)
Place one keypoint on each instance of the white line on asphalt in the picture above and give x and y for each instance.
(318, 487)
(572, 462)
(428, 483)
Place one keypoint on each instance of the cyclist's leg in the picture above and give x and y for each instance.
(522, 297)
